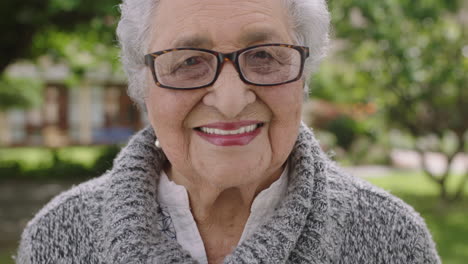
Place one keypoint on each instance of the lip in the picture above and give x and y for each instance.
(231, 140)
(231, 125)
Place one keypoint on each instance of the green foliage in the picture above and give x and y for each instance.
(85, 50)
(346, 130)
(23, 21)
(19, 92)
(410, 59)
(405, 56)
(105, 159)
(77, 32)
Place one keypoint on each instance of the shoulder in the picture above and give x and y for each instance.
(379, 226)
(84, 192)
(365, 201)
(70, 219)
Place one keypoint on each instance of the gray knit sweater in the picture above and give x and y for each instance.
(327, 216)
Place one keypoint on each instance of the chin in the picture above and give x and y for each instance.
(233, 172)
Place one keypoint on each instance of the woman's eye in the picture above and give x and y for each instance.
(191, 61)
(187, 64)
(262, 55)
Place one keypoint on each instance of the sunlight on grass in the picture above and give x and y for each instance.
(82, 155)
(28, 157)
(406, 183)
(31, 157)
(448, 224)
(414, 183)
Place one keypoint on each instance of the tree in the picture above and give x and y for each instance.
(63, 29)
(23, 21)
(19, 92)
(411, 59)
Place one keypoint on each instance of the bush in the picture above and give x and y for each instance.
(105, 160)
(59, 167)
(10, 168)
(366, 150)
(347, 130)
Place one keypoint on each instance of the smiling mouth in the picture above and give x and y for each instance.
(228, 132)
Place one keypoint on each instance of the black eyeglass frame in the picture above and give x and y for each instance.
(223, 57)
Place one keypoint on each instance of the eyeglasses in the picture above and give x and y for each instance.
(193, 68)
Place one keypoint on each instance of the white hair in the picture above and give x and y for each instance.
(309, 20)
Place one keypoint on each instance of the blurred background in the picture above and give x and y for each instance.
(390, 103)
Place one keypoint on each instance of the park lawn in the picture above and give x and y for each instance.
(448, 224)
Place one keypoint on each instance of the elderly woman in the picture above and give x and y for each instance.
(226, 172)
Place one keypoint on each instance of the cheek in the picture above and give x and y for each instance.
(159, 110)
(286, 104)
(166, 115)
(168, 109)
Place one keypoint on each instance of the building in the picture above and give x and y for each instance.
(97, 111)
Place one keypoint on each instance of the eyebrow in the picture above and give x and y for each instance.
(193, 41)
(247, 38)
(263, 35)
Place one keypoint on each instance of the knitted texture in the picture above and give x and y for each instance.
(327, 216)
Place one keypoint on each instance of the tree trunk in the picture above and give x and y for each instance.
(444, 194)
(442, 180)
(461, 147)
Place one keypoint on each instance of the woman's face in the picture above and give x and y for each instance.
(179, 117)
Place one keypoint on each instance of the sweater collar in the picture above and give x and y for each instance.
(131, 210)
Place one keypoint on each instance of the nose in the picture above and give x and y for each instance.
(229, 94)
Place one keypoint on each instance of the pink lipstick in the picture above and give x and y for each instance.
(230, 133)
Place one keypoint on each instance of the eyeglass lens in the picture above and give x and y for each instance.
(270, 64)
(265, 65)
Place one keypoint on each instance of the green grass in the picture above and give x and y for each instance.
(72, 163)
(448, 224)
(6, 255)
(33, 157)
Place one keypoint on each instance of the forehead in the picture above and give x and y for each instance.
(222, 24)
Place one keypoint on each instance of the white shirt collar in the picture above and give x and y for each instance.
(174, 199)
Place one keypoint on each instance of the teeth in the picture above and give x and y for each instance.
(216, 131)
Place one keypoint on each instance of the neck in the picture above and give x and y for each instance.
(212, 204)
(221, 212)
